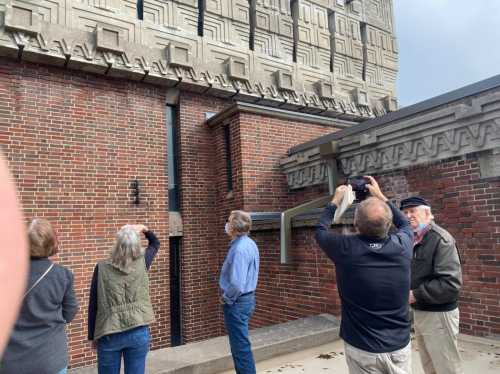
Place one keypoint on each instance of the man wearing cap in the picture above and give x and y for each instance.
(436, 278)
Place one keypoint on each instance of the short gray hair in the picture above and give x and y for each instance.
(126, 249)
(241, 222)
(373, 217)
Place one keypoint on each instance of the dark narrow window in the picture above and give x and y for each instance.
(140, 9)
(172, 150)
(175, 292)
(332, 28)
(364, 40)
(295, 18)
(252, 19)
(229, 166)
(201, 16)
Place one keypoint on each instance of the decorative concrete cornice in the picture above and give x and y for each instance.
(242, 107)
(468, 125)
(106, 37)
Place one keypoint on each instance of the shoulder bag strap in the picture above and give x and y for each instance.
(39, 280)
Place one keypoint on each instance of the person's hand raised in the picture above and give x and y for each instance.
(374, 188)
(140, 228)
(339, 194)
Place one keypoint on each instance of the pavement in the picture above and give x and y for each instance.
(479, 355)
(305, 346)
(213, 355)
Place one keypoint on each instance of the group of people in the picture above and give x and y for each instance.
(119, 310)
(398, 258)
(379, 274)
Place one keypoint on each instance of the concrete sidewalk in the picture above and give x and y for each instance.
(479, 356)
(213, 355)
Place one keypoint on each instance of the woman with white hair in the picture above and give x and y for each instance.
(120, 309)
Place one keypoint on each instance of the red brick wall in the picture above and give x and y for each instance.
(307, 286)
(469, 208)
(200, 269)
(264, 142)
(74, 142)
(302, 288)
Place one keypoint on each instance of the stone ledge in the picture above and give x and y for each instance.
(213, 355)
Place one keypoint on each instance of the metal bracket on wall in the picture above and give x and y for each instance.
(286, 224)
(287, 215)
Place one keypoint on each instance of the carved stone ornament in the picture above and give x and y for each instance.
(178, 55)
(237, 69)
(265, 51)
(22, 17)
(444, 132)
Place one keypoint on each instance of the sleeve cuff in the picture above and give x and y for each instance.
(332, 208)
(417, 293)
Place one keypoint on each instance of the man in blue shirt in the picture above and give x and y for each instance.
(373, 279)
(238, 281)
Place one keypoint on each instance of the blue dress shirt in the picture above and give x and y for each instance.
(240, 271)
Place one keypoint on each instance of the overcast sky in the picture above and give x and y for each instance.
(445, 44)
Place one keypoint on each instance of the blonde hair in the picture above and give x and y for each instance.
(126, 249)
(42, 238)
(241, 222)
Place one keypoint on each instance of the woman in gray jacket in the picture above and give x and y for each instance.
(38, 342)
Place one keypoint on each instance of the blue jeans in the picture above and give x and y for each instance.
(63, 371)
(236, 318)
(132, 344)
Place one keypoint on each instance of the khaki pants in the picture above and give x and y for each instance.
(436, 334)
(361, 362)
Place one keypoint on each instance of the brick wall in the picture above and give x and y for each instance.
(307, 286)
(74, 142)
(200, 306)
(469, 208)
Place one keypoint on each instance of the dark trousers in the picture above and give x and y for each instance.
(236, 318)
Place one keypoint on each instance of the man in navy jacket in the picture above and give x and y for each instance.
(373, 280)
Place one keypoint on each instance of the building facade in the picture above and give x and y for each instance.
(173, 113)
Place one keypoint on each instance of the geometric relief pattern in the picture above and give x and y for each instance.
(379, 13)
(362, 35)
(441, 145)
(105, 37)
(274, 29)
(313, 34)
(427, 138)
(231, 20)
(311, 175)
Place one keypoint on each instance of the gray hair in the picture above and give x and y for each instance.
(126, 249)
(373, 217)
(426, 208)
(241, 222)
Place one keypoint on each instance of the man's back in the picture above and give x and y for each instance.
(373, 278)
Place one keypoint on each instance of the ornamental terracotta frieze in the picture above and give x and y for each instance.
(451, 130)
(332, 58)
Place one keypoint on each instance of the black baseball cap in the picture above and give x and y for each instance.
(412, 202)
